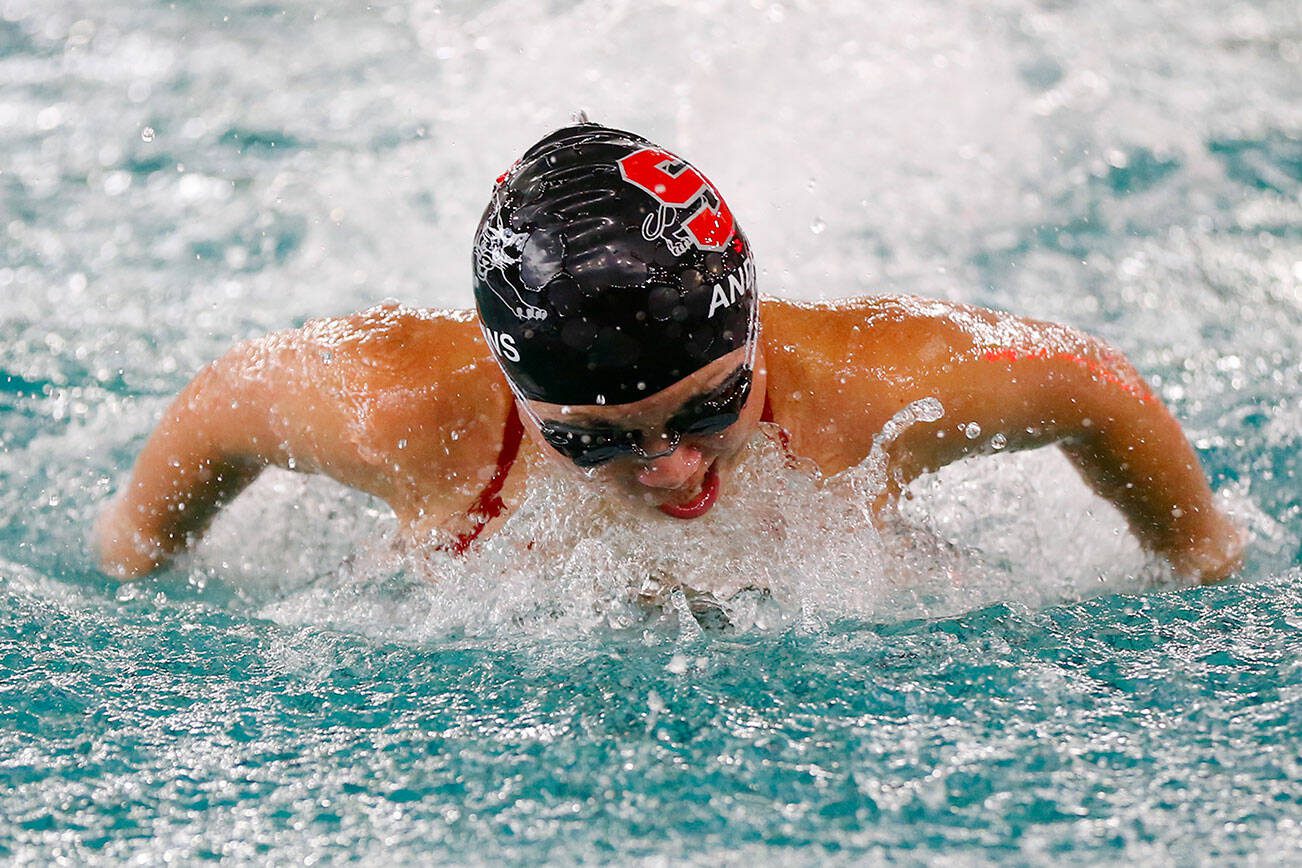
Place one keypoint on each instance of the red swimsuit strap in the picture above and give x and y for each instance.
(784, 438)
(489, 504)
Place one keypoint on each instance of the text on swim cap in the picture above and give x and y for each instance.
(710, 225)
(503, 345)
(726, 292)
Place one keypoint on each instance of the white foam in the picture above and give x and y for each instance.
(780, 549)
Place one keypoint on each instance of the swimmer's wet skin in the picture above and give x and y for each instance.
(618, 323)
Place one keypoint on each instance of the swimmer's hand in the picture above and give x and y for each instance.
(1210, 554)
(123, 550)
(128, 544)
(195, 462)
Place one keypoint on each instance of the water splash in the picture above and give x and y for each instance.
(782, 549)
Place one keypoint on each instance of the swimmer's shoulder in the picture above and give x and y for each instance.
(896, 332)
(838, 370)
(808, 340)
(429, 404)
(824, 327)
(395, 345)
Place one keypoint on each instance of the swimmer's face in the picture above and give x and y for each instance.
(669, 443)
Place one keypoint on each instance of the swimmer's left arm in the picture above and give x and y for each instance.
(1053, 385)
(1005, 383)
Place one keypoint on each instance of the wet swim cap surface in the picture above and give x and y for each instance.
(607, 269)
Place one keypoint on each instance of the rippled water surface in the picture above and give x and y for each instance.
(1001, 674)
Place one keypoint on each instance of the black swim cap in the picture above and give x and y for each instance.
(607, 269)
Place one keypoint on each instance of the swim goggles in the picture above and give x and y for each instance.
(591, 445)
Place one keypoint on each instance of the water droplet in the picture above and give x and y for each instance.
(927, 409)
(972, 430)
(817, 225)
(147, 134)
(999, 441)
(654, 705)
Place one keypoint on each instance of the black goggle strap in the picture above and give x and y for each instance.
(726, 399)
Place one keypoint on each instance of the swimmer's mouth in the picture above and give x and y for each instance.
(701, 503)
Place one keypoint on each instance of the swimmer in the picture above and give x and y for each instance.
(619, 334)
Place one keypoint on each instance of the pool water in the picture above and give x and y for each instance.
(1000, 674)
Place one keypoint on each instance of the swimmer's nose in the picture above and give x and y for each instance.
(672, 470)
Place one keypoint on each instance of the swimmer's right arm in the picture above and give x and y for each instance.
(369, 400)
(215, 438)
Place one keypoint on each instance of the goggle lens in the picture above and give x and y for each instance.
(590, 446)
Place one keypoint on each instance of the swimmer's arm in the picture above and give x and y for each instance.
(403, 405)
(1058, 386)
(215, 438)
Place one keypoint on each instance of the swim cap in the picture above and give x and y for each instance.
(607, 268)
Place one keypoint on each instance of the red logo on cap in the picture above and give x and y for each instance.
(675, 185)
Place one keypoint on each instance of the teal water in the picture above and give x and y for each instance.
(1154, 727)
(1003, 677)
